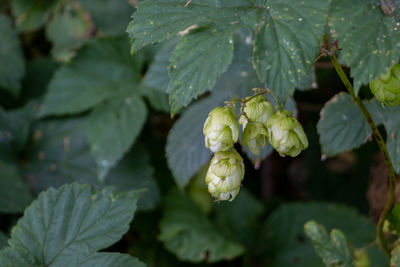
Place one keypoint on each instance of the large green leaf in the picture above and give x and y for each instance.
(342, 126)
(64, 227)
(334, 249)
(186, 232)
(196, 63)
(31, 15)
(113, 128)
(186, 152)
(14, 192)
(12, 66)
(285, 240)
(59, 154)
(158, 20)
(102, 69)
(109, 16)
(286, 42)
(370, 40)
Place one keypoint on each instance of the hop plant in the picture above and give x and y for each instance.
(255, 137)
(286, 134)
(258, 109)
(387, 87)
(221, 129)
(225, 174)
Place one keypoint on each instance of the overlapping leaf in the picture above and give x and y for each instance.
(113, 128)
(102, 69)
(12, 66)
(187, 233)
(334, 249)
(65, 227)
(286, 42)
(369, 38)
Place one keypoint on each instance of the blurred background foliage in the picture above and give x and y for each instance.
(76, 106)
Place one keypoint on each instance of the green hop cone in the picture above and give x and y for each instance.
(387, 87)
(225, 174)
(221, 129)
(286, 134)
(258, 109)
(255, 137)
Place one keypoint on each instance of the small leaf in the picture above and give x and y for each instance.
(102, 69)
(68, 31)
(64, 227)
(187, 233)
(335, 250)
(196, 64)
(158, 20)
(12, 66)
(287, 42)
(109, 16)
(342, 126)
(370, 40)
(30, 15)
(113, 128)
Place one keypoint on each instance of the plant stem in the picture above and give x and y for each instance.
(381, 145)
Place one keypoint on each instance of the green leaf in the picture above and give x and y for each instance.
(134, 171)
(186, 232)
(370, 40)
(186, 152)
(14, 192)
(286, 43)
(64, 227)
(30, 15)
(342, 126)
(68, 31)
(335, 250)
(109, 16)
(158, 20)
(394, 217)
(197, 62)
(157, 75)
(12, 66)
(107, 259)
(240, 217)
(285, 240)
(113, 128)
(59, 153)
(102, 69)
